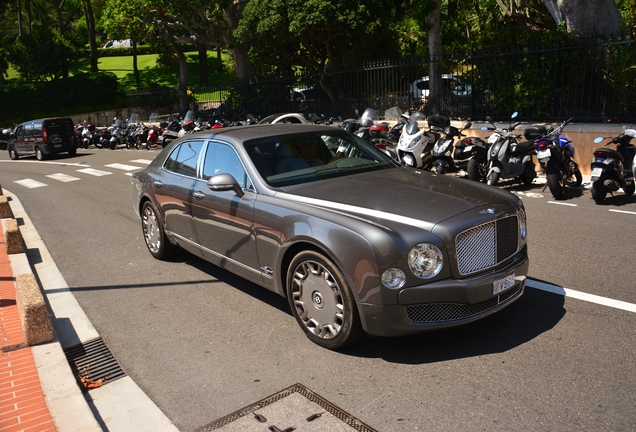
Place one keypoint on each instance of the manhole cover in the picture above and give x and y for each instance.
(294, 409)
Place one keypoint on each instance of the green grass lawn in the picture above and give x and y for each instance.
(151, 75)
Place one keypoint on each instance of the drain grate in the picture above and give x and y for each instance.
(294, 408)
(93, 364)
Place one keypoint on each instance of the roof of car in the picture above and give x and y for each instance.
(244, 133)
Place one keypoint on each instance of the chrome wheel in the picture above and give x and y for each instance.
(321, 301)
(154, 236)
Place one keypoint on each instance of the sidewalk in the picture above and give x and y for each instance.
(38, 390)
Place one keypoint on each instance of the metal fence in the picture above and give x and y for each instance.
(590, 81)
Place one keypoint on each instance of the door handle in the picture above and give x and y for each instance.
(157, 183)
(198, 195)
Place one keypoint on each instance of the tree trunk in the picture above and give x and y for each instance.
(588, 18)
(182, 87)
(135, 67)
(435, 55)
(203, 65)
(242, 63)
(219, 60)
(92, 34)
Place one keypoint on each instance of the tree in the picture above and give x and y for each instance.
(589, 18)
(41, 56)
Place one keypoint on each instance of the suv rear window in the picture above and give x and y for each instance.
(62, 127)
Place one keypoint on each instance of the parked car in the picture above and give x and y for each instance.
(43, 137)
(5, 136)
(420, 87)
(122, 43)
(302, 94)
(284, 118)
(356, 242)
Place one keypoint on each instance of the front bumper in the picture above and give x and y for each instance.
(444, 304)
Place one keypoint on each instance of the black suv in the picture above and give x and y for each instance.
(43, 137)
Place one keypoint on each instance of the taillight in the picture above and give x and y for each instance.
(543, 145)
(381, 146)
(45, 137)
(600, 154)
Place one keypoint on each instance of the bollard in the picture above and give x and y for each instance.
(13, 237)
(32, 309)
(5, 208)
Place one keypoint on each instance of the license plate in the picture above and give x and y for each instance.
(468, 148)
(503, 284)
(596, 172)
(57, 145)
(543, 154)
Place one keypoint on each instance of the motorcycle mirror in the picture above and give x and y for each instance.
(598, 139)
(467, 125)
(484, 128)
(489, 119)
(514, 114)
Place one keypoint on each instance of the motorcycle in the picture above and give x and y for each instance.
(555, 153)
(366, 129)
(187, 124)
(119, 134)
(507, 157)
(87, 132)
(471, 155)
(170, 132)
(415, 147)
(443, 149)
(614, 169)
(132, 125)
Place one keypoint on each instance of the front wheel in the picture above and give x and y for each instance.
(39, 155)
(493, 178)
(598, 191)
(154, 235)
(629, 190)
(475, 170)
(575, 179)
(13, 154)
(321, 301)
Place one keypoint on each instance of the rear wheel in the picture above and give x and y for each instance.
(472, 170)
(575, 180)
(38, 154)
(556, 183)
(439, 169)
(598, 192)
(321, 301)
(72, 152)
(154, 235)
(629, 190)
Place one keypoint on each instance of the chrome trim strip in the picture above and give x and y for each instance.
(233, 261)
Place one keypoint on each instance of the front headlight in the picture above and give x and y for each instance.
(425, 260)
(393, 278)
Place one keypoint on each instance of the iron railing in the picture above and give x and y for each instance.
(590, 81)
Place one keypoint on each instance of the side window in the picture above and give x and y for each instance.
(183, 159)
(19, 132)
(222, 159)
(37, 129)
(422, 85)
(28, 130)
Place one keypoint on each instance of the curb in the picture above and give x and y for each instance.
(120, 406)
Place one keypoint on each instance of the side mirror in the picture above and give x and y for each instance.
(514, 114)
(484, 128)
(598, 140)
(468, 125)
(489, 119)
(225, 182)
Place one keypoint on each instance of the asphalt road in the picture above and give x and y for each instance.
(203, 343)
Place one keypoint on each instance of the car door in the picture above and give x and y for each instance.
(172, 189)
(224, 221)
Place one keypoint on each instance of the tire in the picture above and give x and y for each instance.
(113, 145)
(629, 190)
(473, 170)
(147, 145)
(72, 152)
(439, 169)
(556, 183)
(13, 154)
(39, 155)
(154, 235)
(575, 180)
(322, 302)
(598, 192)
(492, 179)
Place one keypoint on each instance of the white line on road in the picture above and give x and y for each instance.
(562, 203)
(123, 167)
(567, 292)
(30, 183)
(622, 211)
(142, 161)
(62, 177)
(94, 172)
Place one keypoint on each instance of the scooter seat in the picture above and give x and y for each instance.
(521, 148)
(610, 153)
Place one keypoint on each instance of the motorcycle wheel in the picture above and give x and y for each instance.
(113, 145)
(598, 192)
(472, 169)
(127, 144)
(492, 179)
(556, 183)
(629, 190)
(147, 145)
(439, 169)
(575, 180)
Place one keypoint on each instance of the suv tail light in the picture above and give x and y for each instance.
(45, 137)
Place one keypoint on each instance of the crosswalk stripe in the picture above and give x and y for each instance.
(94, 172)
(30, 183)
(123, 167)
(142, 161)
(62, 177)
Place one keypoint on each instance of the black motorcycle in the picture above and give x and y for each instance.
(471, 155)
(443, 150)
(614, 169)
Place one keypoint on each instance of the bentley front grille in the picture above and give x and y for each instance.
(487, 245)
(441, 312)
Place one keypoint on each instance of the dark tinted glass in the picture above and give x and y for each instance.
(183, 159)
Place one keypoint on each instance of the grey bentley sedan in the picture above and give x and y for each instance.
(357, 243)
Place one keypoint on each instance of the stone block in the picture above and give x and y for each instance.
(5, 208)
(13, 237)
(32, 309)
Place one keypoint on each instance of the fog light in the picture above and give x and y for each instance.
(393, 278)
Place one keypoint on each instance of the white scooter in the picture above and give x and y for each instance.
(415, 147)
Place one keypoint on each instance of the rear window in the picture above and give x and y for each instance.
(61, 126)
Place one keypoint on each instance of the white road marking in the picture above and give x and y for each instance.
(94, 172)
(562, 203)
(30, 183)
(530, 194)
(142, 161)
(123, 167)
(567, 292)
(622, 211)
(62, 177)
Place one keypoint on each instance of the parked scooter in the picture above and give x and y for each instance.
(415, 147)
(363, 128)
(170, 132)
(471, 155)
(507, 157)
(87, 134)
(555, 153)
(119, 134)
(614, 169)
(444, 148)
